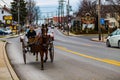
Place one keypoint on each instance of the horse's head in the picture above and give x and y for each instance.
(44, 31)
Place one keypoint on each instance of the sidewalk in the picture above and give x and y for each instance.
(6, 70)
(97, 39)
(93, 39)
(70, 34)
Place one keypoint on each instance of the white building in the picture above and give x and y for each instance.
(113, 21)
(4, 11)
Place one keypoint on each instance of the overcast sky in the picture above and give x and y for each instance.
(52, 5)
(48, 5)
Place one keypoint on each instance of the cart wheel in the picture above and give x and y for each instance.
(51, 50)
(24, 56)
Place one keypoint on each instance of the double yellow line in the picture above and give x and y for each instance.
(109, 61)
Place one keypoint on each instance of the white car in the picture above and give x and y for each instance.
(8, 30)
(113, 39)
(51, 33)
(52, 27)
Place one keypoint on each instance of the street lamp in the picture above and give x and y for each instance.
(18, 13)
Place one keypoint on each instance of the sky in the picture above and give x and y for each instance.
(49, 8)
(46, 6)
(49, 5)
(52, 5)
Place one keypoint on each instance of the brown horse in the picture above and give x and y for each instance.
(41, 45)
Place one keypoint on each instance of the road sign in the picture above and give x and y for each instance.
(8, 21)
(102, 21)
(7, 17)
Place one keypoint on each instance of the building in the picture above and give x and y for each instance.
(60, 20)
(4, 11)
(110, 14)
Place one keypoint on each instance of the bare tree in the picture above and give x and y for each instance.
(116, 7)
(37, 14)
(87, 6)
(31, 12)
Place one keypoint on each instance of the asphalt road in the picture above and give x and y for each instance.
(75, 59)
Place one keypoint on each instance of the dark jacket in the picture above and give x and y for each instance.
(31, 34)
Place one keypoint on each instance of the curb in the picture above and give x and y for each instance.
(12, 36)
(70, 34)
(10, 69)
(93, 39)
(9, 66)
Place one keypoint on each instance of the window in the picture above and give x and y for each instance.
(114, 33)
(2, 12)
(118, 32)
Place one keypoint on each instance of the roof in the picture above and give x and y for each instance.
(6, 9)
(58, 19)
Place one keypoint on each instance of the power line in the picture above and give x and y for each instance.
(48, 12)
(5, 3)
(48, 7)
(1, 5)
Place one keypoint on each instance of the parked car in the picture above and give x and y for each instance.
(113, 39)
(2, 32)
(52, 27)
(8, 30)
(51, 33)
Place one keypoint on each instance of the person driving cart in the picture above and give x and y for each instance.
(31, 33)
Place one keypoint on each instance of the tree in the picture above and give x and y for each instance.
(88, 6)
(116, 7)
(37, 14)
(34, 12)
(21, 4)
(30, 8)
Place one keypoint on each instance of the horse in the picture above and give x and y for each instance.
(41, 44)
(37, 45)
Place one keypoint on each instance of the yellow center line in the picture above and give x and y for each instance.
(109, 61)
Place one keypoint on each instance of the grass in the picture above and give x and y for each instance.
(3, 40)
(2, 36)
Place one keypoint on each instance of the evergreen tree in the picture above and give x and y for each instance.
(22, 10)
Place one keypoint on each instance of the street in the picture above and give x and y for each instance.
(75, 58)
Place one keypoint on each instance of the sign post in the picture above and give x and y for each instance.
(8, 19)
(102, 21)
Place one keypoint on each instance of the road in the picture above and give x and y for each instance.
(75, 59)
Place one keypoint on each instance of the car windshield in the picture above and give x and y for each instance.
(116, 32)
(1, 30)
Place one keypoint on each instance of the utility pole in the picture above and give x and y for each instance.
(68, 17)
(19, 14)
(61, 10)
(59, 7)
(99, 16)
